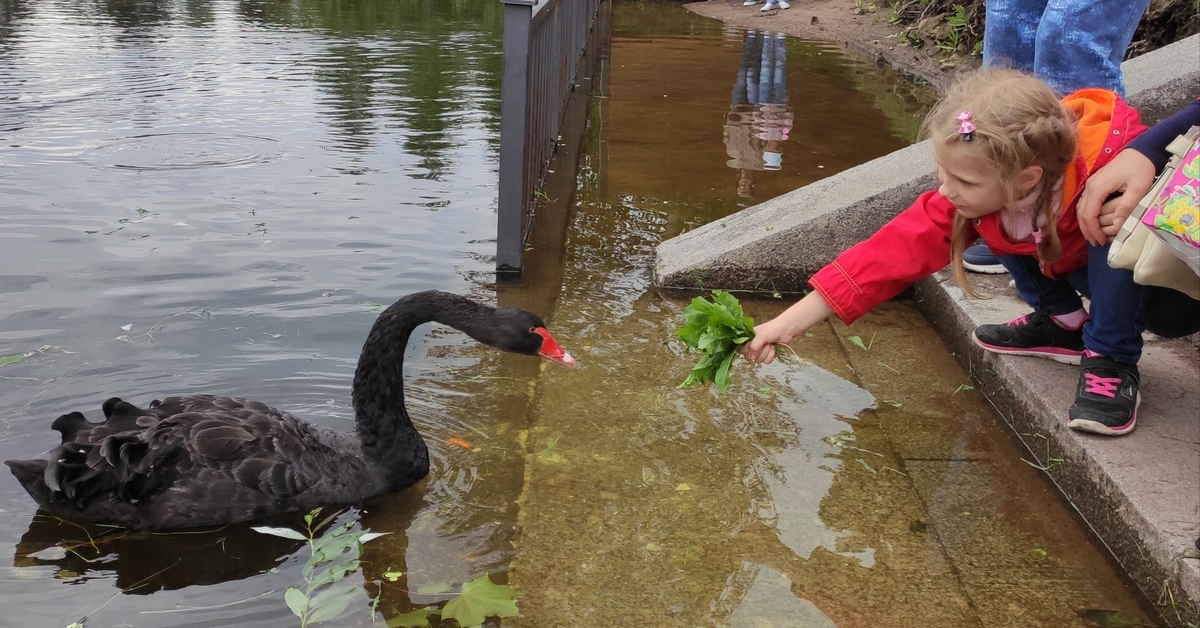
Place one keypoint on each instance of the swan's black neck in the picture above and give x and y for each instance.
(387, 434)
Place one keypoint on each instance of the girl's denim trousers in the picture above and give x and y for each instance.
(1070, 44)
(1120, 309)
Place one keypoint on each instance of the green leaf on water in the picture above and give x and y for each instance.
(13, 359)
(1040, 552)
(392, 576)
(716, 329)
(858, 341)
(480, 599)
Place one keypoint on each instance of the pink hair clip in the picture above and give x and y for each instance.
(965, 127)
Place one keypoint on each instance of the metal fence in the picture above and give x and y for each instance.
(544, 41)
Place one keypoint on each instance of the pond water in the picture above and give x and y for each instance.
(217, 197)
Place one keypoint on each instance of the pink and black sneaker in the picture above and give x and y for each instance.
(1106, 398)
(1033, 334)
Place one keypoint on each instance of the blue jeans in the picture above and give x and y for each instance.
(1070, 44)
(1121, 309)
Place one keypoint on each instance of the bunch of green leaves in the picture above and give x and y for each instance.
(716, 329)
(333, 556)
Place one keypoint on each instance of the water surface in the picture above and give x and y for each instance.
(219, 197)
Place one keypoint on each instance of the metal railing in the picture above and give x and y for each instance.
(544, 41)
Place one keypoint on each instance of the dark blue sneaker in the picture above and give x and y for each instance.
(980, 259)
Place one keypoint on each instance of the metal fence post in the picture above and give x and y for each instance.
(514, 97)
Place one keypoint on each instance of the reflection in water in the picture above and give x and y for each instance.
(767, 600)
(800, 476)
(759, 117)
(145, 562)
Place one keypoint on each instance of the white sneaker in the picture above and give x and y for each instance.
(784, 5)
(770, 6)
(750, 3)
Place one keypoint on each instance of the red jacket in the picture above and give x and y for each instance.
(916, 243)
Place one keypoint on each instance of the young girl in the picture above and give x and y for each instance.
(1012, 160)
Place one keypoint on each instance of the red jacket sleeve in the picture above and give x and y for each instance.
(915, 244)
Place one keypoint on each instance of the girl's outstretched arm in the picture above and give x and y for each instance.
(792, 322)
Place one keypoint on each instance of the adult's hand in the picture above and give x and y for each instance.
(1127, 178)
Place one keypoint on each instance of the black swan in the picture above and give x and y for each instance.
(203, 460)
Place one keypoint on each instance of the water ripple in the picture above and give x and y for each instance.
(182, 151)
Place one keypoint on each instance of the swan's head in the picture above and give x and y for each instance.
(521, 331)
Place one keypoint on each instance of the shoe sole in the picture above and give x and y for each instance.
(991, 269)
(1065, 356)
(1096, 427)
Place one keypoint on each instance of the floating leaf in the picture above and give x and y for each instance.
(370, 536)
(392, 576)
(13, 359)
(286, 533)
(480, 599)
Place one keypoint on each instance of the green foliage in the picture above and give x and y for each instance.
(481, 598)
(11, 359)
(333, 556)
(715, 329)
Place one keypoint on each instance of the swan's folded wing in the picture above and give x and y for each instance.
(250, 449)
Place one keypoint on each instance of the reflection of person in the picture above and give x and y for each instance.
(759, 117)
(1130, 176)
(1010, 155)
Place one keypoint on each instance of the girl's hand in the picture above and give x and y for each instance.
(1127, 177)
(795, 320)
(761, 347)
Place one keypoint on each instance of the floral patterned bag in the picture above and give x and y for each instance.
(1160, 242)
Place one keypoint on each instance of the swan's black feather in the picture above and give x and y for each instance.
(199, 460)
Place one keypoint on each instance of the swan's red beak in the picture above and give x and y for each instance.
(550, 349)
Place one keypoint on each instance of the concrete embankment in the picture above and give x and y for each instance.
(1139, 493)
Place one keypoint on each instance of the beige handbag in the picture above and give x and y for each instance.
(1157, 257)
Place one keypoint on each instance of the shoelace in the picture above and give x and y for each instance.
(1104, 386)
(1020, 320)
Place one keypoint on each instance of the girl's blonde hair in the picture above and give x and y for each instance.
(1019, 122)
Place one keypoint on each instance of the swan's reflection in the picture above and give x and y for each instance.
(145, 562)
